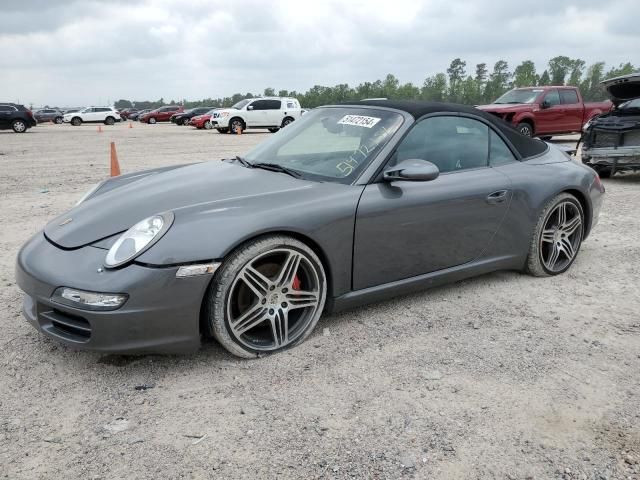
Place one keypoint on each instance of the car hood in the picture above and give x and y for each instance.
(505, 107)
(621, 89)
(187, 190)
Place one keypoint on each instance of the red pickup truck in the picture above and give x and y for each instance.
(546, 111)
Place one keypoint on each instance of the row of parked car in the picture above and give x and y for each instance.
(272, 113)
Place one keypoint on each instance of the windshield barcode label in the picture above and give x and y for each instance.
(359, 121)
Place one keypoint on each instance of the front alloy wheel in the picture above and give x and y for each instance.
(19, 126)
(152, 120)
(525, 129)
(266, 297)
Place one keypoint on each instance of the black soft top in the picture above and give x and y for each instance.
(526, 147)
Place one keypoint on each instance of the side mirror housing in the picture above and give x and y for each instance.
(545, 104)
(412, 171)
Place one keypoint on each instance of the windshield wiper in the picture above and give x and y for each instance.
(242, 161)
(274, 167)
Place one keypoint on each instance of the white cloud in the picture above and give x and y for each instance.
(92, 51)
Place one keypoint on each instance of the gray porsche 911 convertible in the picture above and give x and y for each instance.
(350, 204)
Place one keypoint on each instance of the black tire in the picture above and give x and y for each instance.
(273, 130)
(184, 121)
(76, 121)
(208, 125)
(109, 121)
(546, 138)
(58, 120)
(286, 121)
(525, 128)
(19, 126)
(152, 121)
(536, 264)
(236, 123)
(225, 285)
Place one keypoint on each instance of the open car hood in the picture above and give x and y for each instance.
(624, 88)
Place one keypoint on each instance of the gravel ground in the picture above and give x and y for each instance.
(504, 376)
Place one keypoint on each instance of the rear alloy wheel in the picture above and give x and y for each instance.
(76, 121)
(557, 237)
(525, 129)
(208, 125)
(287, 121)
(58, 120)
(109, 121)
(19, 126)
(273, 130)
(266, 297)
(152, 120)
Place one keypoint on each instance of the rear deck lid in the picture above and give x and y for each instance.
(624, 88)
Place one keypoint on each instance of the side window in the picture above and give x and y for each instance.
(5, 108)
(273, 104)
(552, 98)
(291, 105)
(451, 143)
(260, 105)
(568, 97)
(499, 153)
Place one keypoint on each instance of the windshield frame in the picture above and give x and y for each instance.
(246, 102)
(627, 105)
(372, 163)
(539, 91)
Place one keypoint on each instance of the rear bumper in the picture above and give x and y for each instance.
(161, 315)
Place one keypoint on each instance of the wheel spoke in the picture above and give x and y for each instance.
(572, 225)
(548, 235)
(289, 269)
(280, 327)
(553, 256)
(567, 248)
(562, 214)
(302, 299)
(256, 281)
(251, 318)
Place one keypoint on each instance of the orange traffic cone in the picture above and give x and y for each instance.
(130, 125)
(239, 130)
(99, 128)
(115, 166)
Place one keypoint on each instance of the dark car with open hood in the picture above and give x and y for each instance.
(349, 204)
(612, 140)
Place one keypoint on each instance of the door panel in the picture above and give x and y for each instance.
(573, 110)
(404, 229)
(549, 120)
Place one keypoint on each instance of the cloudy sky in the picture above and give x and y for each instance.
(78, 52)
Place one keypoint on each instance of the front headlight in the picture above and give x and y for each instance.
(137, 239)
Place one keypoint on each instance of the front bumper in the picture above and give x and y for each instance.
(161, 315)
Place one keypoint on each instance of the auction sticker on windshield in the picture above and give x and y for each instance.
(359, 121)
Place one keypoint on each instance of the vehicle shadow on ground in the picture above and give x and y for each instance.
(212, 352)
(623, 177)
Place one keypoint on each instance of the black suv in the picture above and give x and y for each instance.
(17, 117)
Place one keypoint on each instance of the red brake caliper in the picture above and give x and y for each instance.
(296, 283)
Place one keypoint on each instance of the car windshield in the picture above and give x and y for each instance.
(631, 104)
(210, 112)
(526, 95)
(331, 144)
(241, 104)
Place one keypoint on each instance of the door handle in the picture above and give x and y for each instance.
(497, 197)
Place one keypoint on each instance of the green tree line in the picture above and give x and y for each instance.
(460, 84)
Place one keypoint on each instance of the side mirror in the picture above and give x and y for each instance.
(250, 107)
(545, 104)
(412, 171)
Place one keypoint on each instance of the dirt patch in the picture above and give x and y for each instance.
(503, 376)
